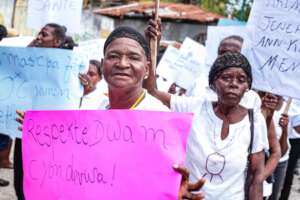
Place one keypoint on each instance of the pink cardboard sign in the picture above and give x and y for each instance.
(110, 155)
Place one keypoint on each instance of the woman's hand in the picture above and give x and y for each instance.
(153, 30)
(20, 119)
(186, 188)
(284, 121)
(84, 79)
(270, 101)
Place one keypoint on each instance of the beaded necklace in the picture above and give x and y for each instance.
(136, 103)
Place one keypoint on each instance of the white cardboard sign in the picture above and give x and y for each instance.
(184, 65)
(63, 12)
(273, 46)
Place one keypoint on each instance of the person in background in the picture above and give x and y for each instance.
(5, 140)
(3, 32)
(92, 91)
(52, 35)
(294, 155)
(5, 144)
(231, 43)
(68, 43)
(276, 104)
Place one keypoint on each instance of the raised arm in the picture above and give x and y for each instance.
(283, 122)
(269, 103)
(150, 85)
(275, 152)
(154, 30)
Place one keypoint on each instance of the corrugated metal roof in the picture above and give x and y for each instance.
(170, 11)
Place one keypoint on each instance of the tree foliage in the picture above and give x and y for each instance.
(237, 9)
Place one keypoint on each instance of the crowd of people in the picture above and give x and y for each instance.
(242, 141)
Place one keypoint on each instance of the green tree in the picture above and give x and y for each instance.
(243, 12)
(218, 6)
(238, 9)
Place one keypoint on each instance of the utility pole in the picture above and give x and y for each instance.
(242, 12)
(13, 14)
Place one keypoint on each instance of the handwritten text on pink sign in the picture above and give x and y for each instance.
(114, 154)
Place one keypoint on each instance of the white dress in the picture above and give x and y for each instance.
(221, 162)
(148, 103)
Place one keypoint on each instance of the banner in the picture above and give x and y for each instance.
(63, 12)
(37, 78)
(273, 46)
(92, 49)
(20, 41)
(111, 154)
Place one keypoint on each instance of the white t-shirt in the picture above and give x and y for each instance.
(294, 118)
(148, 103)
(251, 100)
(221, 162)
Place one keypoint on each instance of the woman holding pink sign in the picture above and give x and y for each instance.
(125, 67)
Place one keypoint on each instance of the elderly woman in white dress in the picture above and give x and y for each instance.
(226, 142)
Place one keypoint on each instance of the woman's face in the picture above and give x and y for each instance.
(94, 77)
(125, 64)
(46, 38)
(94, 74)
(229, 45)
(231, 85)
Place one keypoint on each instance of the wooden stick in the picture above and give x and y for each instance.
(153, 41)
(288, 105)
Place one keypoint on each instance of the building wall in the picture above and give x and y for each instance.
(95, 26)
(171, 30)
